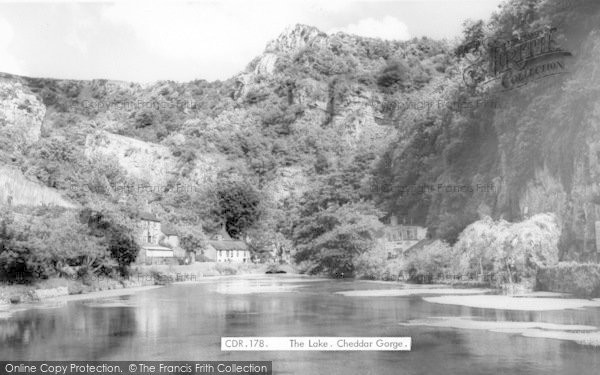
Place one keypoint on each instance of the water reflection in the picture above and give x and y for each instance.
(187, 322)
(72, 332)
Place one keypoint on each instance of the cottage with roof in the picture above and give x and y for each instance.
(149, 236)
(170, 236)
(222, 248)
(398, 238)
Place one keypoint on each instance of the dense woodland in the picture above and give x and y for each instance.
(362, 119)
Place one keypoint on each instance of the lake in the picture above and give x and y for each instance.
(186, 322)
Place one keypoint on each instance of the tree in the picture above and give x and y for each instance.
(529, 246)
(396, 73)
(512, 252)
(192, 238)
(123, 248)
(45, 243)
(119, 238)
(372, 263)
(333, 237)
(478, 245)
(239, 205)
(429, 263)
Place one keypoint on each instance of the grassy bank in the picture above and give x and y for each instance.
(140, 276)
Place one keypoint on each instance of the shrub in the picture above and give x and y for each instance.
(581, 279)
(192, 239)
(144, 118)
(394, 270)
(122, 247)
(372, 263)
(395, 73)
(43, 244)
(430, 263)
(226, 269)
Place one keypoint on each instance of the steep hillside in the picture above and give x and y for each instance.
(307, 106)
(392, 122)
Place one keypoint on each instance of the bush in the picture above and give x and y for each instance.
(144, 118)
(430, 263)
(226, 269)
(581, 279)
(372, 263)
(394, 270)
(395, 73)
(122, 246)
(44, 243)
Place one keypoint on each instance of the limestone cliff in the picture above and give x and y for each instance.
(21, 113)
(142, 160)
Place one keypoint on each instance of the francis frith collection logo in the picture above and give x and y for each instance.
(515, 62)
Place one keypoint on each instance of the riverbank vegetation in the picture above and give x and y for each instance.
(495, 253)
(41, 243)
(581, 279)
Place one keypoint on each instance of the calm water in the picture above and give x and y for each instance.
(186, 322)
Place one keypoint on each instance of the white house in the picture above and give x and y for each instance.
(223, 249)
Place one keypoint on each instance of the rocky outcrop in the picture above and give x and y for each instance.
(289, 182)
(296, 37)
(266, 64)
(21, 113)
(151, 162)
(142, 160)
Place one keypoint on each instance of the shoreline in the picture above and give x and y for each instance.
(8, 310)
(142, 278)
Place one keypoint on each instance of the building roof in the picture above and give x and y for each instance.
(222, 235)
(148, 216)
(419, 245)
(228, 245)
(168, 229)
(391, 229)
(150, 246)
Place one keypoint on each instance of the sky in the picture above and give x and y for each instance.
(151, 40)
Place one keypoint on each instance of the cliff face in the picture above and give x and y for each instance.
(142, 160)
(566, 179)
(534, 149)
(21, 114)
(547, 135)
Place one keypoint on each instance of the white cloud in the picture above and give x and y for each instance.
(8, 63)
(386, 28)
